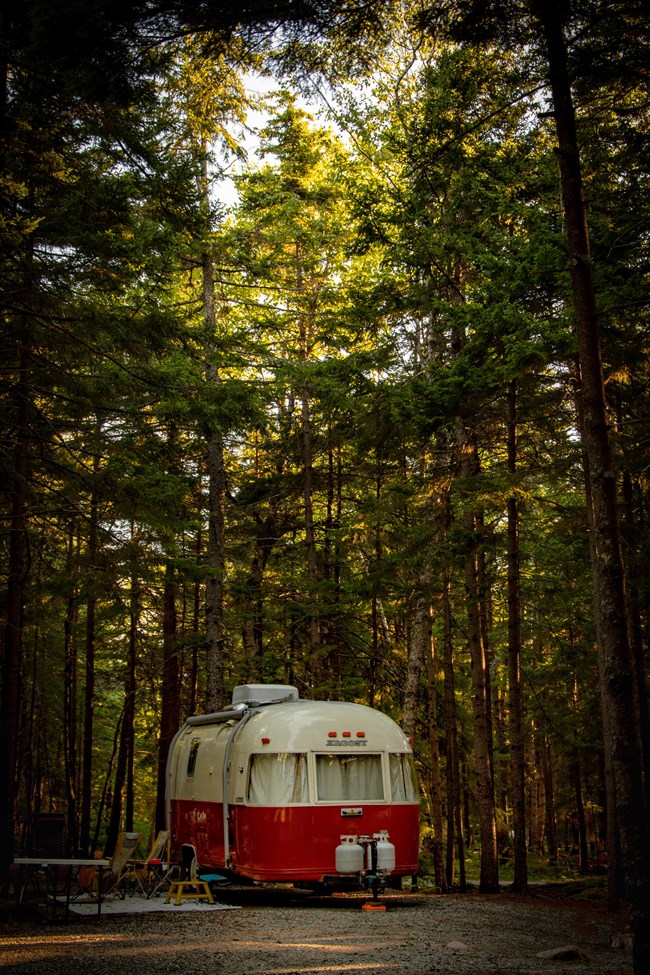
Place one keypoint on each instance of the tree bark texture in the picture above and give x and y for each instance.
(515, 693)
(608, 572)
(435, 778)
(13, 635)
(483, 764)
(214, 591)
(70, 704)
(420, 638)
(170, 703)
(550, 823)
(315, 641)
(89, 686)
(455, 835)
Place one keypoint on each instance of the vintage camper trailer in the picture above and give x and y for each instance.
(279, 789)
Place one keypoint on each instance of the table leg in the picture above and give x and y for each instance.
(100, 890)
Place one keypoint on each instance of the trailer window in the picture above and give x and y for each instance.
(191, 759)
(403, 778)
(278, 779)
(349, 778)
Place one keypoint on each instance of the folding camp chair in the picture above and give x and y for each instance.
(148, 875)
(125, 848)
(88, 878)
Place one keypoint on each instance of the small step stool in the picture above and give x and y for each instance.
(183, 890)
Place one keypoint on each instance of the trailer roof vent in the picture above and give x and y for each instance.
(263, 693)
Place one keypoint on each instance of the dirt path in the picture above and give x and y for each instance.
(417, 934)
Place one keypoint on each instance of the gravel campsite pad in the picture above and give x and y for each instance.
(274, 934)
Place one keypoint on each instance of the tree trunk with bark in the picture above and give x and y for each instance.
(617, 667)
(89, 687)
(13, 630)
(215, 692)
(306, 440)
(455, 833)
(419, 640)
(70, 674)
(515, 693)
(550, 821)
(435, 779)
(581, 819)
(483, 764)
(170, 702)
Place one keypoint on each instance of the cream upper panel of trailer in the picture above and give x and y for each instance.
(330, 726)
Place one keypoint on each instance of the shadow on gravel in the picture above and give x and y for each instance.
(245, 896)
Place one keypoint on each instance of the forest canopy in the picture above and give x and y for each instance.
(324, 362)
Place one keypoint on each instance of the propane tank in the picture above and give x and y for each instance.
(385, 853)
(349, 855)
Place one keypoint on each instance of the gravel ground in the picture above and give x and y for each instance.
(272, 933)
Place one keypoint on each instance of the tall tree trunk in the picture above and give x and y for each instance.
(581, 822)
(214, 590)
(196, 623)
(13, 630)
(550, 823)
(617, 667)
(130, 687)
(614, 870)
(308, 490)
(455, 835)
(89, 688)
(515, 694)
(380, 631)
(419, 643)
(70, 704)
(636, 638)
(122, 804)
(170, 704)
(115, 816)
(331, 561)
(435, 780)
(489, 881)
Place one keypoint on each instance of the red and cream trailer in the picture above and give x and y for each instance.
(279, 789)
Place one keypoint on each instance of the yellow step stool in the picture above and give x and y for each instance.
(183, 890)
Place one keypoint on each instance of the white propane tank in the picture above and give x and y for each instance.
(349, 855)
(385, 853)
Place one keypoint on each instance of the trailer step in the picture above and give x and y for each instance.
(182, 890)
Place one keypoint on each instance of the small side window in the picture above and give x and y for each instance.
(403, 778)
(191, 761)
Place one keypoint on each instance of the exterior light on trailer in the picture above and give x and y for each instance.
(266, 741)
(347, 734)
(361, 734)
(331, 734)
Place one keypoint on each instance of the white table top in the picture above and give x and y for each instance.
(61, 862)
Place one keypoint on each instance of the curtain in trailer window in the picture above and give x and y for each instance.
(349, 778)
(403, 778)
(278, 779)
